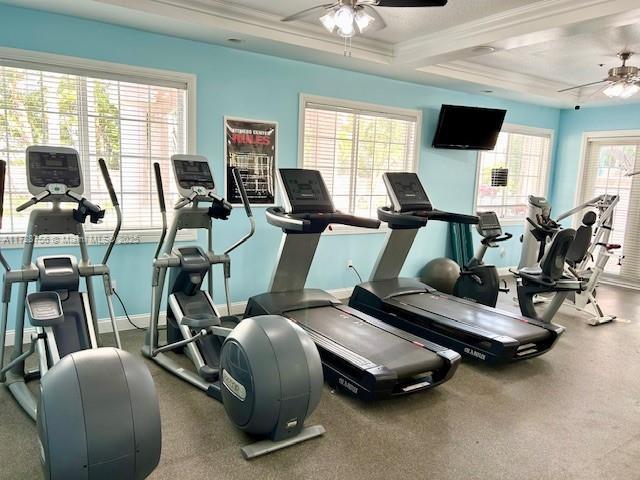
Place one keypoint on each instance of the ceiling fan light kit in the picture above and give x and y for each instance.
(348, 17)
(345, 19)
(622, 82)
(621, 90)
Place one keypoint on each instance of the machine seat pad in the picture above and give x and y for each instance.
(200, 321)
(535, 275)
(531, 270)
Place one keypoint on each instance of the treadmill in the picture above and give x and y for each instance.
(472, 329)
(361, 355)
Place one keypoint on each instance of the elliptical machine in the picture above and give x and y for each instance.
(97, 413)
(265, 370)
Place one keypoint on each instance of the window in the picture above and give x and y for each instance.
(525, 153)
(608, 168)
(131, 123)
(353, 145)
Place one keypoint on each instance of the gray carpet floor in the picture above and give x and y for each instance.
(573, 413)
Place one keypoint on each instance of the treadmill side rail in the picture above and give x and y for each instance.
(345, 369)
(384, 300)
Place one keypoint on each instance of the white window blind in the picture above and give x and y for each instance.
(353, 147)
(526, 156)
(606, 166)
(130, 124)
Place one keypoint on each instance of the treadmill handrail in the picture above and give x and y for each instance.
(419, 218)
(277, 217)
(316, 222)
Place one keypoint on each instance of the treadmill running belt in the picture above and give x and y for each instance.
(476, 316)
(369, 341)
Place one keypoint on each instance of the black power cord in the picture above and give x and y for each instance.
(356, 272)
(125, 312)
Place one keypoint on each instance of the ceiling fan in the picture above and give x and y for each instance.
(621, 82)
(346, 17)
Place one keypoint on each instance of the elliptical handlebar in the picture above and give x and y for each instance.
(3, 171)
(163, 207)
(116, 205)
(32, 201)
(243, 192)
(159, 187)
(183, 202)
(107, 181)
(247, 209)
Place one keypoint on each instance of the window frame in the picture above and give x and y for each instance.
(304, 98)
(582, 166)
(517, 129)
(50, 62)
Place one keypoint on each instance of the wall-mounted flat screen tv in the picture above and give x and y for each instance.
(468, 128)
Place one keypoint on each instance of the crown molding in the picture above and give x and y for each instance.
(247, 22)
(504, 80)
(538, 22)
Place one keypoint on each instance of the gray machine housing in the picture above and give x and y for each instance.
(109, 398)
(97, 414)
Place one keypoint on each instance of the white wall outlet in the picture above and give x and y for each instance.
(349, 263)
(114, 285)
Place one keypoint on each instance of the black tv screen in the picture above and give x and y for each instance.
(468, 128)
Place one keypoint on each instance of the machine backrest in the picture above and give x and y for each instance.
(580, 246)
(552, 262)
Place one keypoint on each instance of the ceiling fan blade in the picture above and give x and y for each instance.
(597, 92)
(412, 3)
(582, 86)
(378, 23)
(308, 12)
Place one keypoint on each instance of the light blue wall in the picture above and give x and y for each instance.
(232, 82)
(573, 124)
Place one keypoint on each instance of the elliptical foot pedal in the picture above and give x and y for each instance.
(209, 374)
(45, 309)
(267, 446)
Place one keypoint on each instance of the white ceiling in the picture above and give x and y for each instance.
(574, 60)
(540, 46)
(402, 23)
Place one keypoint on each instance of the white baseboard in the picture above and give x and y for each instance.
(142, 320)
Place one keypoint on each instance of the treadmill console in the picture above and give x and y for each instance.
(406, 192)
(488, 224)
(53, 169)
(304, 191)
(192, 175)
